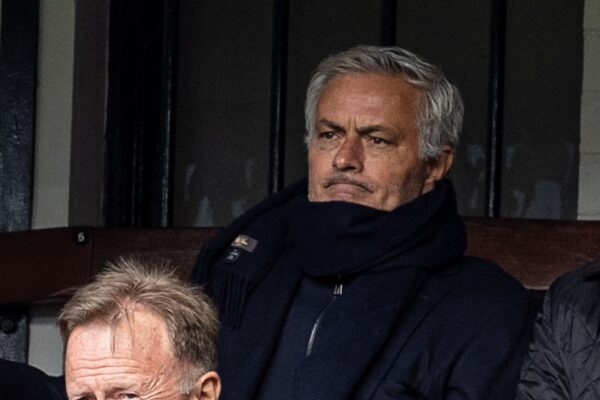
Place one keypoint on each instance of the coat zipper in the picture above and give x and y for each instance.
(337, 292)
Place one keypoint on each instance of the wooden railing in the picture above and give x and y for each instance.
(48, 263)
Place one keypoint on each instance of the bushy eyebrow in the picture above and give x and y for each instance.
(363, 130)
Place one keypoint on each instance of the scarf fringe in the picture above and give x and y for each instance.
(229, 292)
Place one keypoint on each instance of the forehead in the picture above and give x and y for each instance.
(136, 348)
(371, 94)
(138, 331)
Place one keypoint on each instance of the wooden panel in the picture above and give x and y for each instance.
(42, 263)
(178, 246)
(45, 263)
(536, 252)
(49, 263)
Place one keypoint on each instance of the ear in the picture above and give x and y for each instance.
(208, 387)
(438, 167)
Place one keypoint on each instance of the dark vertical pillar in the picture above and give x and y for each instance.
(278, 94)
(140, 112)
(120, 187)
(18, 81)
(495, 108)
(388, 22)
(90, 71)
(162, 209)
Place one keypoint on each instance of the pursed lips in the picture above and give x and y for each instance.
(344, 184)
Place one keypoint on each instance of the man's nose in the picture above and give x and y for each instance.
(349, 156)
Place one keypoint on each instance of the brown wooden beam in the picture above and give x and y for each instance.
(535, 252)
(47, 263)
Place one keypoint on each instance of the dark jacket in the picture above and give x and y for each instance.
(564, 355)
(23, 382)
(419, 321)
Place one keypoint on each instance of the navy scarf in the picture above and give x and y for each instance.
(327, 239)
(339, 238)
(391, 254)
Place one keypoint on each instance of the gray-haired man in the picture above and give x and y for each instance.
(354, 284)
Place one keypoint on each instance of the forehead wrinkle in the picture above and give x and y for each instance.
(363, 130)
(93, 367)
(112, 379)
(365, 123)
(108, 376)
(331, 124)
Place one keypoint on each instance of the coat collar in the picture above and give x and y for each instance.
(372, 336)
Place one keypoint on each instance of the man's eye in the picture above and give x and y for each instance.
(378, 140)
(327, 135)
(128, 396)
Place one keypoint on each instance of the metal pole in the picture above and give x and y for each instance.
(495, 108)
(278, 95)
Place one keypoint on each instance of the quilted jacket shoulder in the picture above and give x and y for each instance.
(564, 355)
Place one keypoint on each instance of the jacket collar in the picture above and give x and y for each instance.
(246, 344)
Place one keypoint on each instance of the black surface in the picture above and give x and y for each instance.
(23, 382)
(536, 299)
(14, 334)
(18, 81)
(518, 67)
(388, 22)
(542, 109)
(140, 120)
(495, 108)
(223, 109)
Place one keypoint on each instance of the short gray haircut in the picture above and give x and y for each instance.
(190, 317)
(441, 106)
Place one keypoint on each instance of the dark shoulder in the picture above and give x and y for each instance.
(483, 274)
(478, 298)
(578, 289)
(23, 382)
(484, 285)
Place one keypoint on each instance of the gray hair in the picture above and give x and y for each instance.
(190, 317)
(441, 108)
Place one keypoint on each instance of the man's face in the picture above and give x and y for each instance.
(134, 360)
(365, 148)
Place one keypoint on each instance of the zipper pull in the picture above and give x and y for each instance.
(339, 287)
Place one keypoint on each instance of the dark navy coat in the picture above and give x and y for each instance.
(426, 322)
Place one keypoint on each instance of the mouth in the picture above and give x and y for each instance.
(345, 184)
